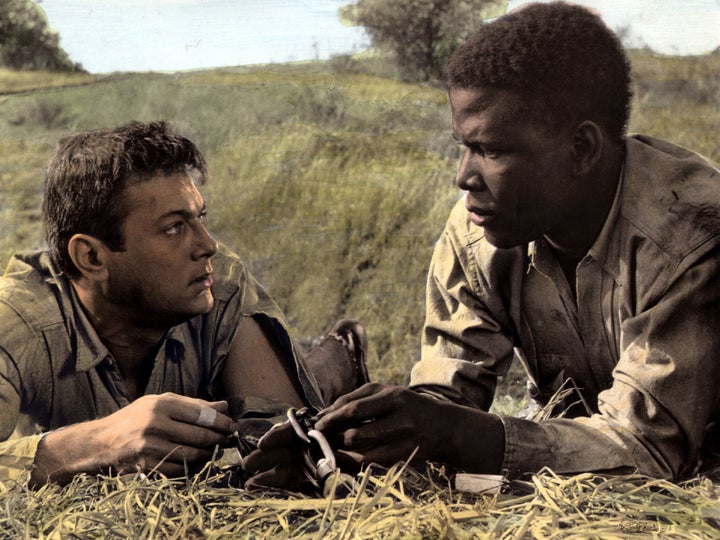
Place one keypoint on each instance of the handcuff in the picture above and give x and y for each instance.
(319, 463)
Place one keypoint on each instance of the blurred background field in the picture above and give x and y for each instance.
(332, 179)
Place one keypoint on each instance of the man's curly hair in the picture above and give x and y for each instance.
(561, 58)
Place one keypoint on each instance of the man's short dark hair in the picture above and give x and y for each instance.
(88, 173)
(561, 58)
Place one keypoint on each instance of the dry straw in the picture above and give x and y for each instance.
(399, 502)
(395, 503)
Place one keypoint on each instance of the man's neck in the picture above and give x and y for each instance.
(132, 346)
(593, 205)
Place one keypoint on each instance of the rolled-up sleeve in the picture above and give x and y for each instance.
(17, 457)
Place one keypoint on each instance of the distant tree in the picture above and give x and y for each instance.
(26, 40)
(420, 34)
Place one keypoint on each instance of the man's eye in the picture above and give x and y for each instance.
(175, 228)
(491, 153)
(202, 218)
(477, 149)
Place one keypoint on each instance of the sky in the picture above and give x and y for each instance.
(172, 35)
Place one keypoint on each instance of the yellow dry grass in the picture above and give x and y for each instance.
(394, 503)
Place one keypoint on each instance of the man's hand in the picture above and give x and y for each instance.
(167, 433)
(385, 424)
(375, 423)
(278, 460)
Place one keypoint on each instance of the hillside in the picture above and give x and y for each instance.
(333, 185)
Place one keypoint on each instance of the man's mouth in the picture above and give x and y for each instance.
(205, 279)
(480, 216)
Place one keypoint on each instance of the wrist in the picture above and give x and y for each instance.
(59, 456)
(473, 440)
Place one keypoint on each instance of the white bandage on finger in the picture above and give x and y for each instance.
(207, 417)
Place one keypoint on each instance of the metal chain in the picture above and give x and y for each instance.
(318, 457)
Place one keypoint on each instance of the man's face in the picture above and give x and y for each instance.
(517, 177)
(164, 274)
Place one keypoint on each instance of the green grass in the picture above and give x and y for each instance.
(678, 98)
(333, 185)
(326, 183)
(12, 81)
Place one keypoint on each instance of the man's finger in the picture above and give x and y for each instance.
(356, 412)
(207, 417)
(387, 455)
(258, 461)
(279, 436)
(375, 433)
(365, 390)
(210, 418)
(278, 477)
(220, 406)
(198, 412)
(159, 450)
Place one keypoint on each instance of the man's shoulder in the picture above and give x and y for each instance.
(31, 289)
(671, 195)
(31, 310)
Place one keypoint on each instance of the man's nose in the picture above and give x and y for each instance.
(468, 176)
(206, 244)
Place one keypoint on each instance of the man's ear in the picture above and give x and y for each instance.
(588, 141)
(89, 256)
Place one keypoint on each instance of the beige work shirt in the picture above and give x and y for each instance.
(641, 342)
(55, 371)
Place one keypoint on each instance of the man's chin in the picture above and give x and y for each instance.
(502, 241)
(208, 305)
(196, 310)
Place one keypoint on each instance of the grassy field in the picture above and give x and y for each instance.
(333, 185)
(333, 182)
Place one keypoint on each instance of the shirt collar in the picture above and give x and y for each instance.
(602, 249)
(89, 350)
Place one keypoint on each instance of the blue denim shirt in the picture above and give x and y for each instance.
(641, 343)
